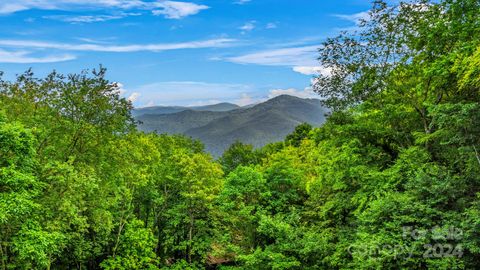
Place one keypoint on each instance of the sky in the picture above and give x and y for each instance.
(192, 52)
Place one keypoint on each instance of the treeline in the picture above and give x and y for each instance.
(391, 181)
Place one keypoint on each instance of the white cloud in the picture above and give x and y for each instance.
(204, 102)
(312, 70)
(245, 99)
(301, 59)
(84, 19)
(305, 93)
(171, 9)
(12, 6)
(103, 40)
(242, 2)
(120, 88)
(248, 26)
(133, 97)
(24, 57)
(178, 10)
(271, 26)
(150, 104)
(212, 43)
(356, 17)
(289, 57)
(187, 93)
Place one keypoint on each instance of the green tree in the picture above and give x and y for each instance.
(239, 154)
(18, 188)
(136, 249)
(188, 231)
(242, 202)
(301, 132)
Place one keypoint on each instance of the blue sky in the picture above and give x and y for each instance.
(190, 52)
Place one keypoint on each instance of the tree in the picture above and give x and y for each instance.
(18, 188)
(188, 232)
(242, 204)
(239, 154)
(301, 132)
(73, 114)
(402, 54)
(136, 250)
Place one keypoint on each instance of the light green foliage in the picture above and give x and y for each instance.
(74, 186)
(77, 213)
(188, 218)
(36, 247)
(242, 204)
(18, 186)
(468, 69)
(284, 181)
(136, 249)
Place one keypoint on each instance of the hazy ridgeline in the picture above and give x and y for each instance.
(391, 180)
(218, 126)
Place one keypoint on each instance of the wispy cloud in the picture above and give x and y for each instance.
(271, 25)
(25, 57)
(305, 93)
(188, 93)
(242, 2)
(170, 9)
(103, 40)
(245, 99)
(300, 59)
(178, 10)
(296, 56)
(133, 97)
(355, 18)
(212, 43)
(312, 70)
(12, 6)
(248, 26)
(191, 93)
(85, 18)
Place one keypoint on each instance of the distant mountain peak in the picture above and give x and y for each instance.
(219, 107)
(223, 106)
(220, 125)
(286, 97)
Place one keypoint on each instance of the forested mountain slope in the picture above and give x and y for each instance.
(264, 123)
(259, 125)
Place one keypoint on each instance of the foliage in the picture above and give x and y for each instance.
(239, 154)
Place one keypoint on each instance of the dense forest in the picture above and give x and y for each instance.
(390, 181)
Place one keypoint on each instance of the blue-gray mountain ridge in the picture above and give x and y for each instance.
(220, 125)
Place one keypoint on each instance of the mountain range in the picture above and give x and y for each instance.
(220, 125)
(220, 107)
